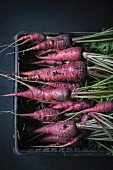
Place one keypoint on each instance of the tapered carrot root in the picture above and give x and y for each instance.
(44, 115)
(70, 105)
(27, 38)
(63, 129)
(45, 52)
(59, 94)
(60, 42)
(74, 141)
(54, 138)
(27, 94)
(74, 71)
(70, 54)
(62, 105)
(106, 106)
(48, 62)
(76, 65)
(85, 118)
(69, 85)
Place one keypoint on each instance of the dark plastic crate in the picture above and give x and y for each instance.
(20, 106)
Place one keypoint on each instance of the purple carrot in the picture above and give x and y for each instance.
(106, 106)
(44, 115)
(36, 37)
(85, 118)
(54, 138)
(48, 62)
(74, 141)
(70, 54)
(77, 106)
(59, 42)
(59, 94)
(63, 129)
(69, 85)
(62, 105)
(45, 52)
(73, 71)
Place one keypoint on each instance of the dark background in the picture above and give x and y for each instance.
(44, 16)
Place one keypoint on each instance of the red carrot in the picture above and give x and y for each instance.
(59, 42)
(54, 138)
(70, 54)
(62, 105)
(32, 37)
(48, 62)
(73, 71)
(28, 38)
(45, 52)
(44, 115)
(74, 141)
(69, 85)
(84, 118)
(60, 94)
(63, 129)
(106, 106)
(70, 105)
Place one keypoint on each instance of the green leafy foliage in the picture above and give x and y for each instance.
(99, 47)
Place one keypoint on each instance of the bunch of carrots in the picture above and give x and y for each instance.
(72, 84)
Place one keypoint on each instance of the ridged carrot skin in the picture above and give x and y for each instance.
(73, 71)
(69, 85)
(59, 94)
(85, 118)
(62, 105)
(44, 115)
(59, 42)
(69, 54)
(106, 106)
(49, 62)
(54, 138)
(70, 105)
(63, 129)
(32, 37)
(45, 52)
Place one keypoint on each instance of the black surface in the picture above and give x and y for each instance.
(44, 16)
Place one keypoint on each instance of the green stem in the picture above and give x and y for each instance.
(103, 134)
(96, 92)
(101, 120)
(96, 40)
(110, 150)
(102, 123)
(101, 63)
(106, 121)
(96, 55)
(102, 82)
(100, 139)
(110, 117)
(99, 68)
(107, 32)
(91, 97)
(89, 127)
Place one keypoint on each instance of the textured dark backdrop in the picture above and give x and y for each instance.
(46, 16)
